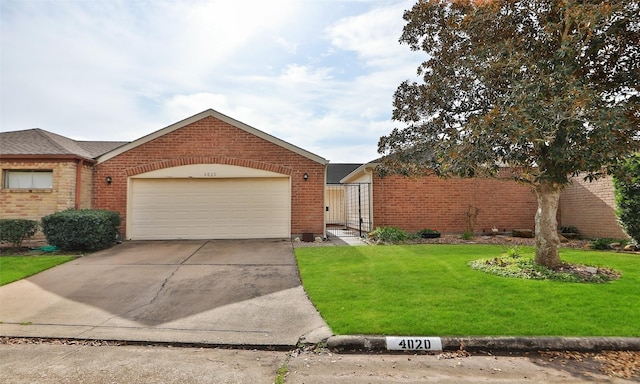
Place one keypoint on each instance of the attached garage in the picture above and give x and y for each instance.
(212, 177)
(209, 202)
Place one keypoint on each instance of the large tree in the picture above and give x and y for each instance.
(550, 89)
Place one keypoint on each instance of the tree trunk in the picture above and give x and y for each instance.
(547, 239)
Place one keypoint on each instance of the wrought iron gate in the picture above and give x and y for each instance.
(348, 209)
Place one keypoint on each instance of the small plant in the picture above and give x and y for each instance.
(389, 235)
(428, 233)
(514, 252)
(467, 236)
(15, 231)
(282, 372)
(605, 243)
(472, 217)
(568, 229)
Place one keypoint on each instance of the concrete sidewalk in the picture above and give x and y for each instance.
(241, 292)
(51, 363)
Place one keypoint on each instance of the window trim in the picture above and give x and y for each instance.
(7, 186)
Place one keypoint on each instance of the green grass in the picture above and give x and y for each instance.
(14, 268)
(430, 290)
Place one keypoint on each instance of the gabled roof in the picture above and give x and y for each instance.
(336, 172)
(361, 169)
(219, 116)
(98, 148)
(37, 141)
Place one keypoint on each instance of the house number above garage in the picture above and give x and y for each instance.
(208, 171)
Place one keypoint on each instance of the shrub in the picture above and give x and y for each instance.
(389, 234)
(467, 235)
(605, 243)
(81, 230)
(15, 231)
(627, 187)
(568, 229)
(428, 233)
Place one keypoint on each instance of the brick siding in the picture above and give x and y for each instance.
(86, 188)
(430, 202)
(590, 207)
(34, 204)
(212, 141)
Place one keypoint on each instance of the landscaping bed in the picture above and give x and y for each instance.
(495, 240)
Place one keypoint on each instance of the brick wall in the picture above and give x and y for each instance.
(34, 204)
(86, 188)
(211, 141)
(429, 202)
(590, 206)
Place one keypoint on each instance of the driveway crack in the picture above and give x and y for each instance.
(153, 300)
(194, 252)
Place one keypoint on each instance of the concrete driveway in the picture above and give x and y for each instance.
(227, 292)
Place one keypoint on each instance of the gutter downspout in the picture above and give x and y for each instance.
(79, 165)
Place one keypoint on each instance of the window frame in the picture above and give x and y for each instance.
(6, 180)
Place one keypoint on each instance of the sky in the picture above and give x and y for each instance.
(318, 74)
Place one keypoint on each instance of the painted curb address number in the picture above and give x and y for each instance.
(414, 343)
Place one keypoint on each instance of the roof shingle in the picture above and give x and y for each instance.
(337, 171)
(40, 142)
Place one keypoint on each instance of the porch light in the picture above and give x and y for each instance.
(109, 180)
(305, 176)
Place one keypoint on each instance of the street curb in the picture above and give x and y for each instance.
(362, 343)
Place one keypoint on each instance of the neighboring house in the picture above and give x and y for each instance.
(43, 173)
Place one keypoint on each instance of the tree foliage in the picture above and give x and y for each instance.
(627, 184)
(549, 88)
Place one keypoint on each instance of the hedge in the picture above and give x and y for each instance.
(81, 230)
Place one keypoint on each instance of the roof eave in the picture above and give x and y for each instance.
(359, 170)
(45, 157)
(219, 116)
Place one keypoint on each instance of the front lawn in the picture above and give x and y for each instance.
(14, 268)
(430, 290)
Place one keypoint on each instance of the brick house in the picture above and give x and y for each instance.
(444, 204)
(43, 173)
(210, 176)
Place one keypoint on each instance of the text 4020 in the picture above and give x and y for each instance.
(414, 343)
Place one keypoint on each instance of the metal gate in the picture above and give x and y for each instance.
(348, 209)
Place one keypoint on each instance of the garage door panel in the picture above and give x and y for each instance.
(210, 208)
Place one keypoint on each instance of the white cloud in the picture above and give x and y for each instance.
(303, 74)
(320, 75)
(373, 35)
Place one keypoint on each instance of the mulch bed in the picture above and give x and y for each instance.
(496, 240)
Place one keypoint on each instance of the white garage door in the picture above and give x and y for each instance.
(209, 208)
